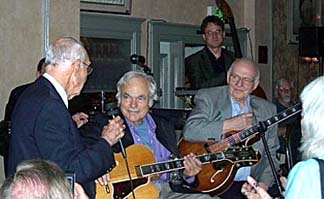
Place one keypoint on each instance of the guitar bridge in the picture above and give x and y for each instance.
(107, 188)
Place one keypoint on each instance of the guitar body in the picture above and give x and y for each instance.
(217, 177)
(213, 178)
(119, 185)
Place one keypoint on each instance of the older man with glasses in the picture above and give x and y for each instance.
(42, 127)
(220, 110)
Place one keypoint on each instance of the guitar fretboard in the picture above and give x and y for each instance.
(232, 154)
(242, 135)
(177, 164)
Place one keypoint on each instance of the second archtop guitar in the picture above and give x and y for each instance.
(216, 178)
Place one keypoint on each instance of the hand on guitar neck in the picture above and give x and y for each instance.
(192, 165)
(230, 128)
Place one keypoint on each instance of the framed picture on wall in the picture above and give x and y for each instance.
(302, 13)
(109, 6)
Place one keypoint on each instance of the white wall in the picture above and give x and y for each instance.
(21, 40)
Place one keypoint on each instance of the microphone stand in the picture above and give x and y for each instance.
(124, 154)
(262, 129)
(102, 101)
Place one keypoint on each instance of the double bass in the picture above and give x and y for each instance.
(229, 19)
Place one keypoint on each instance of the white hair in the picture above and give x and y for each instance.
(132, 74)
(280, 82)
(312, 98)
(64, 51)
(36, 179)
(250, 62)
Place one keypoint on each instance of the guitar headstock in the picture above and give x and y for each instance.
(244, 155)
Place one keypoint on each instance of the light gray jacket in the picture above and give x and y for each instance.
(205, 123)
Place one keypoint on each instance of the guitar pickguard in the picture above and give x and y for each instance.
(123, 189)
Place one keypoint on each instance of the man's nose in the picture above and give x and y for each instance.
(240, 82)
(133, 102)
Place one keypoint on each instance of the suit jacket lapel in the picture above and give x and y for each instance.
(227, 113)
(256, 110)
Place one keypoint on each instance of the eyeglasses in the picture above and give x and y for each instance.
(215, 32)
(284, 90)
(89, 68)
(245, 80)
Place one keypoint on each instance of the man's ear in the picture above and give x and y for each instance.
(76, 65)
(256, 84)
(204, 37)
(227, 77)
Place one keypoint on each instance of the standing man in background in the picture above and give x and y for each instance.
(13, 97)
(207, 67)
(16, 92)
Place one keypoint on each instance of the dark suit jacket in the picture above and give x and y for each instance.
(42, 128)
(13, 97)
(202, 74)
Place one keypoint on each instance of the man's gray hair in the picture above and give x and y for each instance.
(65, 50)
(279, 83)
(36, 179)
(312, 98)
(132, 74)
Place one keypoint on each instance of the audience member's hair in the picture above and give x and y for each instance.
(36, 179)
(65, 51)
(312, 125)
(138, 74)
(5, 188)
(237, 61)
(279, 83)
(211, 19)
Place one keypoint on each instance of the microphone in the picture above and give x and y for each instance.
(137, 59)
(140, 60)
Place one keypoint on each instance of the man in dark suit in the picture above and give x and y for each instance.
(79, 118)
(220, 110)
(208, 67)
(13, 97)
(16, 92)
(136, 93)
(42, 127)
